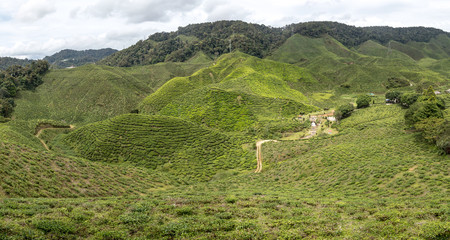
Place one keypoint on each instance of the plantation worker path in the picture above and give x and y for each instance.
(259, 155)
(42, 126)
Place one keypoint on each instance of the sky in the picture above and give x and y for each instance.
(37, 28)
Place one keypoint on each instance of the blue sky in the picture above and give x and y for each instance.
(36, 28)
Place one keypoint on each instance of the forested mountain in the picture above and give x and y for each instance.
(6, 62)
(257, 40)
(68, 57)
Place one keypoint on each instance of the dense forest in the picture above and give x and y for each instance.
(67, 58)
(16, 78)
(257, 40)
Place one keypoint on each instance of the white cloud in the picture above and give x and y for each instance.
(34, 10)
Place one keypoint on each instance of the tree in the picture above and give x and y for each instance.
(408, 99)
(432, 128)
(344, 111)
(363, 101)
(420, 111)
(393, 96)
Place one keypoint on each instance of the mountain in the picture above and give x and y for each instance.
(221, 37)
(72, 58)
(6, 62)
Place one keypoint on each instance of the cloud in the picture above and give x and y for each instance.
(139, 11)
(34, 10)
(223, 10)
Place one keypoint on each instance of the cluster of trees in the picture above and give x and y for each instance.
(425, 115)
(258, 40)
(16, 78)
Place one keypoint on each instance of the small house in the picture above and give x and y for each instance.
(437, 92)
(447, 91)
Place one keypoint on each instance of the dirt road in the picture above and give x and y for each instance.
(42, 127)
(259, 155)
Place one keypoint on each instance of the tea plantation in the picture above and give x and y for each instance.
(167, 151)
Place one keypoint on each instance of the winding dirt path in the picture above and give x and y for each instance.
(41, 127)
(259, 154)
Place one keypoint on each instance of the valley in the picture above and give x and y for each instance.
(176, 138)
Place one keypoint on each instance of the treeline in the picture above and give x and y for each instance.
(257, 40)
(6, 62)
(67, 58)
(16, 78)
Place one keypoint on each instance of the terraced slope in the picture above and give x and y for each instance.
(93, 93)
(344, 71)
(166, 144)
(27, 170)
(371, 156)
(238, 93)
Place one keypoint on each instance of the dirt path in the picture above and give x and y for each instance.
(42, 127)
(259, 154)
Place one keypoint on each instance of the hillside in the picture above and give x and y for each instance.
(72, 58)
(27, 170)
(371, 68)
(6, 62)
(257, 40)
(238, 93)
(372, 180)
(166, 144)
(92, 93)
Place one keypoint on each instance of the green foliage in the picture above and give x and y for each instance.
(72, 58)
(432, 128)
(258, 40)
(344, 111)
(420, 111)
(92, 93)
(363, 101)
(168, 144)
(17, 77)
(393, 96)
(408, 99)
(394, 82)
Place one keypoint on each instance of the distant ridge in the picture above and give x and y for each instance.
(6, 62)
(73, 58)
(221, 37)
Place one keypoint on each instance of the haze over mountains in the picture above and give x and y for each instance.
(158, 140)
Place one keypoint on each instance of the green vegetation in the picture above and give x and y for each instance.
(16, 78)
(239, 93)
(167, 151)
(167, 144)
(363, 101)
(92, 93)
(72, 58)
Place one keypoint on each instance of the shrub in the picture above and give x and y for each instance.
(344, 111)
(393, 96)
(420, 111)
(363, 101)
(408, 99)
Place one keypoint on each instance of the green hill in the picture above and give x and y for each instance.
(237, 93)
(92, 93)
(73, 58)
(166, 144)
(27, 170)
